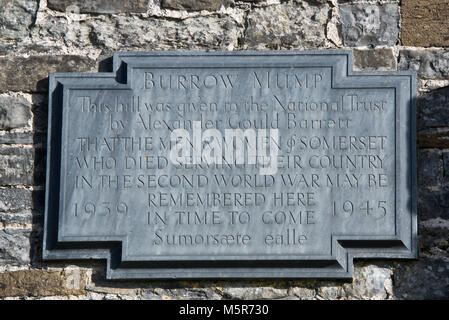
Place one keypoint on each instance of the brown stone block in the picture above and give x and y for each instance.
(425, 23)
(36, 283)
(438, 139)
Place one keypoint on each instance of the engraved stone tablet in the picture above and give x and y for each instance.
(231, 165)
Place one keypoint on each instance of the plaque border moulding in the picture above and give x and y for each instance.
(402, 246)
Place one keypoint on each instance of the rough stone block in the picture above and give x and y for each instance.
(377, 59)
(287, 26)
(433, 203)
(330, 291)
(429, 64)
(425, 23)
(16, 16)
(370, 282)
(21, 166)
(181, 293)
(99, 6)
(15, 200)
(17, 220)
(302, 292)
(423, 279)
(14, 248)
(36, 283)
(365, 25)
(434, 234)
(429, 167)
(434, 138)
(15, 112)
(433, 109)
(31, 74)
(261, 291)
(195, 5)
(199, 33)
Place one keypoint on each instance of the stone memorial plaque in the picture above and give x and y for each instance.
(231, 165)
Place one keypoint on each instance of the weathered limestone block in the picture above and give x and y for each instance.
(197, 33)
(16, 17)
(287, 26)
(433, 109)
(365, 25)
(370, 282)
(425, 23)
(330, 291)
(195, 5)
(15, 200)
(37, 283)
(99, 6)
(262, 291)
(101, 34)
(187, 293)
(427, 278)
(14, 248)
(434, 236)
(21, 166)
(15, 112)
(376, 59)
(433, 203)
(302, 292)
(16, 220)
(30, 74)
(429, 64)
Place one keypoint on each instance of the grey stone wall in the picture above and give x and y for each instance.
(42, 36)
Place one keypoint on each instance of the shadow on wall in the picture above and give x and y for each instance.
(433, 158)
(426, 278)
